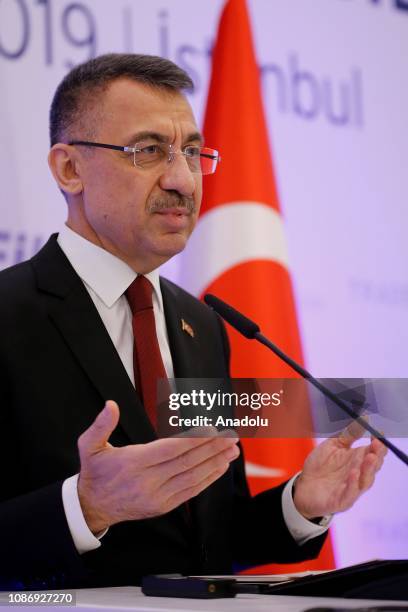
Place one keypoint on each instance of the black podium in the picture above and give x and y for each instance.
(372, 580)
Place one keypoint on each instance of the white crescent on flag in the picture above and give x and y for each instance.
(230, 230)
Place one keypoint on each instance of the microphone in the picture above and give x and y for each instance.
(245, 326)
(252, 331)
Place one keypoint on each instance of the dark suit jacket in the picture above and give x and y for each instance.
(57, 367)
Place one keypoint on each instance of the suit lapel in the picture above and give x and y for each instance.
(184, 347)
(75, 315)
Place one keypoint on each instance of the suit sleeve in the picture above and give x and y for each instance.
(37, 550)
(37, 547)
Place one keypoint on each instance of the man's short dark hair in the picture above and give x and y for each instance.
(80, 87)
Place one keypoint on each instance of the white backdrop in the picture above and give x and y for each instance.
(336, 96)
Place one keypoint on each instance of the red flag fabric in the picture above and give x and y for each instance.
(238, 250)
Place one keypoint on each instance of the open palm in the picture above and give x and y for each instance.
(335, 474)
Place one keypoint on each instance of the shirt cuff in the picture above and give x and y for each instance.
(300, 527)
(82, 536)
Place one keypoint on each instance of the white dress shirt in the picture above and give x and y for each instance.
(106, 279)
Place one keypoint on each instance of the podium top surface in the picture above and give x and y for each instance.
(131, 598)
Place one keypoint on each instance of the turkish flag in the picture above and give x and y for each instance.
(238, 250)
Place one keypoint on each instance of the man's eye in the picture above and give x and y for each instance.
(192, 151)
(153, 149)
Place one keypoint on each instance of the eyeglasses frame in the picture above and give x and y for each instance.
(133, 150)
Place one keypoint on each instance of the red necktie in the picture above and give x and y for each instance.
(147, 361)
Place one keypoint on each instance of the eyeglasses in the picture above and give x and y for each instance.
(200, 160)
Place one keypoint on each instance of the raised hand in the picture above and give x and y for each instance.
(335, 474)
(142, 481)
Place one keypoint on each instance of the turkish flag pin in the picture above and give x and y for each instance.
(187, 328)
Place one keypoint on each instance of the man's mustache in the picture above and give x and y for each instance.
(158, 203)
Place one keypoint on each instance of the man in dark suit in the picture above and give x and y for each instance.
(90, 496)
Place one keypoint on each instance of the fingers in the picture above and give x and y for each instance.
(351, 433)
(373, 460)
(214, 447)
(96, 436)
(350, 490)
(199, 473)
(362, 473)
(348, 487)
(367, 473)
(378, 448)
(168, 449)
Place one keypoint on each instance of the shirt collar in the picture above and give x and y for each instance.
(107, 275)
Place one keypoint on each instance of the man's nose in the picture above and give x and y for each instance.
(177, 176)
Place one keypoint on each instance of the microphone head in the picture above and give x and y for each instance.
(241, 323)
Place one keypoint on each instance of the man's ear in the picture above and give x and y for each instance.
(64, 167)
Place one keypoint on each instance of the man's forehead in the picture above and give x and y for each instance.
(129, 107)
(142, 99)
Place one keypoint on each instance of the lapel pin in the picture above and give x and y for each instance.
(187, 328)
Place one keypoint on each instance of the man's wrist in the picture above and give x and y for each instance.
(83, 538)
(96, 524)
(301, 528)
(313, 518)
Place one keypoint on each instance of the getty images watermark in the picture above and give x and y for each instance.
(279, 408)
(213, 401)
